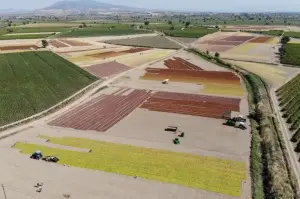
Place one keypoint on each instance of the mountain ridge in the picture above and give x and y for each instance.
(84, 5)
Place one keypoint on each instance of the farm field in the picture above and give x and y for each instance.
(222, 41)
(188, 104)
(123, 102)
(289, 96)
(214, 82)
(125, 159)
(144, 58)
(15, 47)
(194, 32)
(239, 46)
(255, 28)
(104, 30)
(74, 42)
(269, 32)
(115, 104)
(110, 54)
(152, 42)
(49, 25)
(257, 52)
(24, 36)
(57, 44)
(104, 120)
(292, 34)
(272, 74)
(185, 40)
(24, 29)
(106, 69)
(123, 55)
(291, 54)
(52, 79)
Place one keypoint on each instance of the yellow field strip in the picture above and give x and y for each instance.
(207, 173)
(266, 71)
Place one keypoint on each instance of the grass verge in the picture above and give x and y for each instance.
(289, 54)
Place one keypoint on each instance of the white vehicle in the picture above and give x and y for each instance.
(166, 81)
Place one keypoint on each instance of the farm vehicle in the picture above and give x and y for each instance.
(237, 123)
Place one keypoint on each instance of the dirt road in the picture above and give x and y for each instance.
(285, 131)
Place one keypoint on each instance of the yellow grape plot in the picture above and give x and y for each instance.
(207, 173)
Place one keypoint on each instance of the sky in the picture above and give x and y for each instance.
(184, 5)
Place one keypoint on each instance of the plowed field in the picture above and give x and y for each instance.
(106, 69)
(110, 54)
(261, 40)
(75, 43)
(103, 112)
(189, 104)
(238, 38)
(27, 47)
(180, 64)
(57, 44)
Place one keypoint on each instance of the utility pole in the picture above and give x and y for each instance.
(4, 192)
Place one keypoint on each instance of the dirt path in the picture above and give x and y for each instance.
(290, 149)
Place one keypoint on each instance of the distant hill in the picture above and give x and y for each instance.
(11, 11)
(85, 5)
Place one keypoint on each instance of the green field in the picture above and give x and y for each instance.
(270, 32)
(39, 29)
(180, 31)
(290, 54)
(103, 30)
(33, 36)
(194, 32)
(289, 98)
(208, 173)
(292, 34)
(147, 41)
(31, 82)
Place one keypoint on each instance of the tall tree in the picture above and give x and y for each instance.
(45, 43)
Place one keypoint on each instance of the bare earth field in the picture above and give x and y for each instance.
(240, 46)
(275, 75)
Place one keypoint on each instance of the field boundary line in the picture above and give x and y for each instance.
(51, 109)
